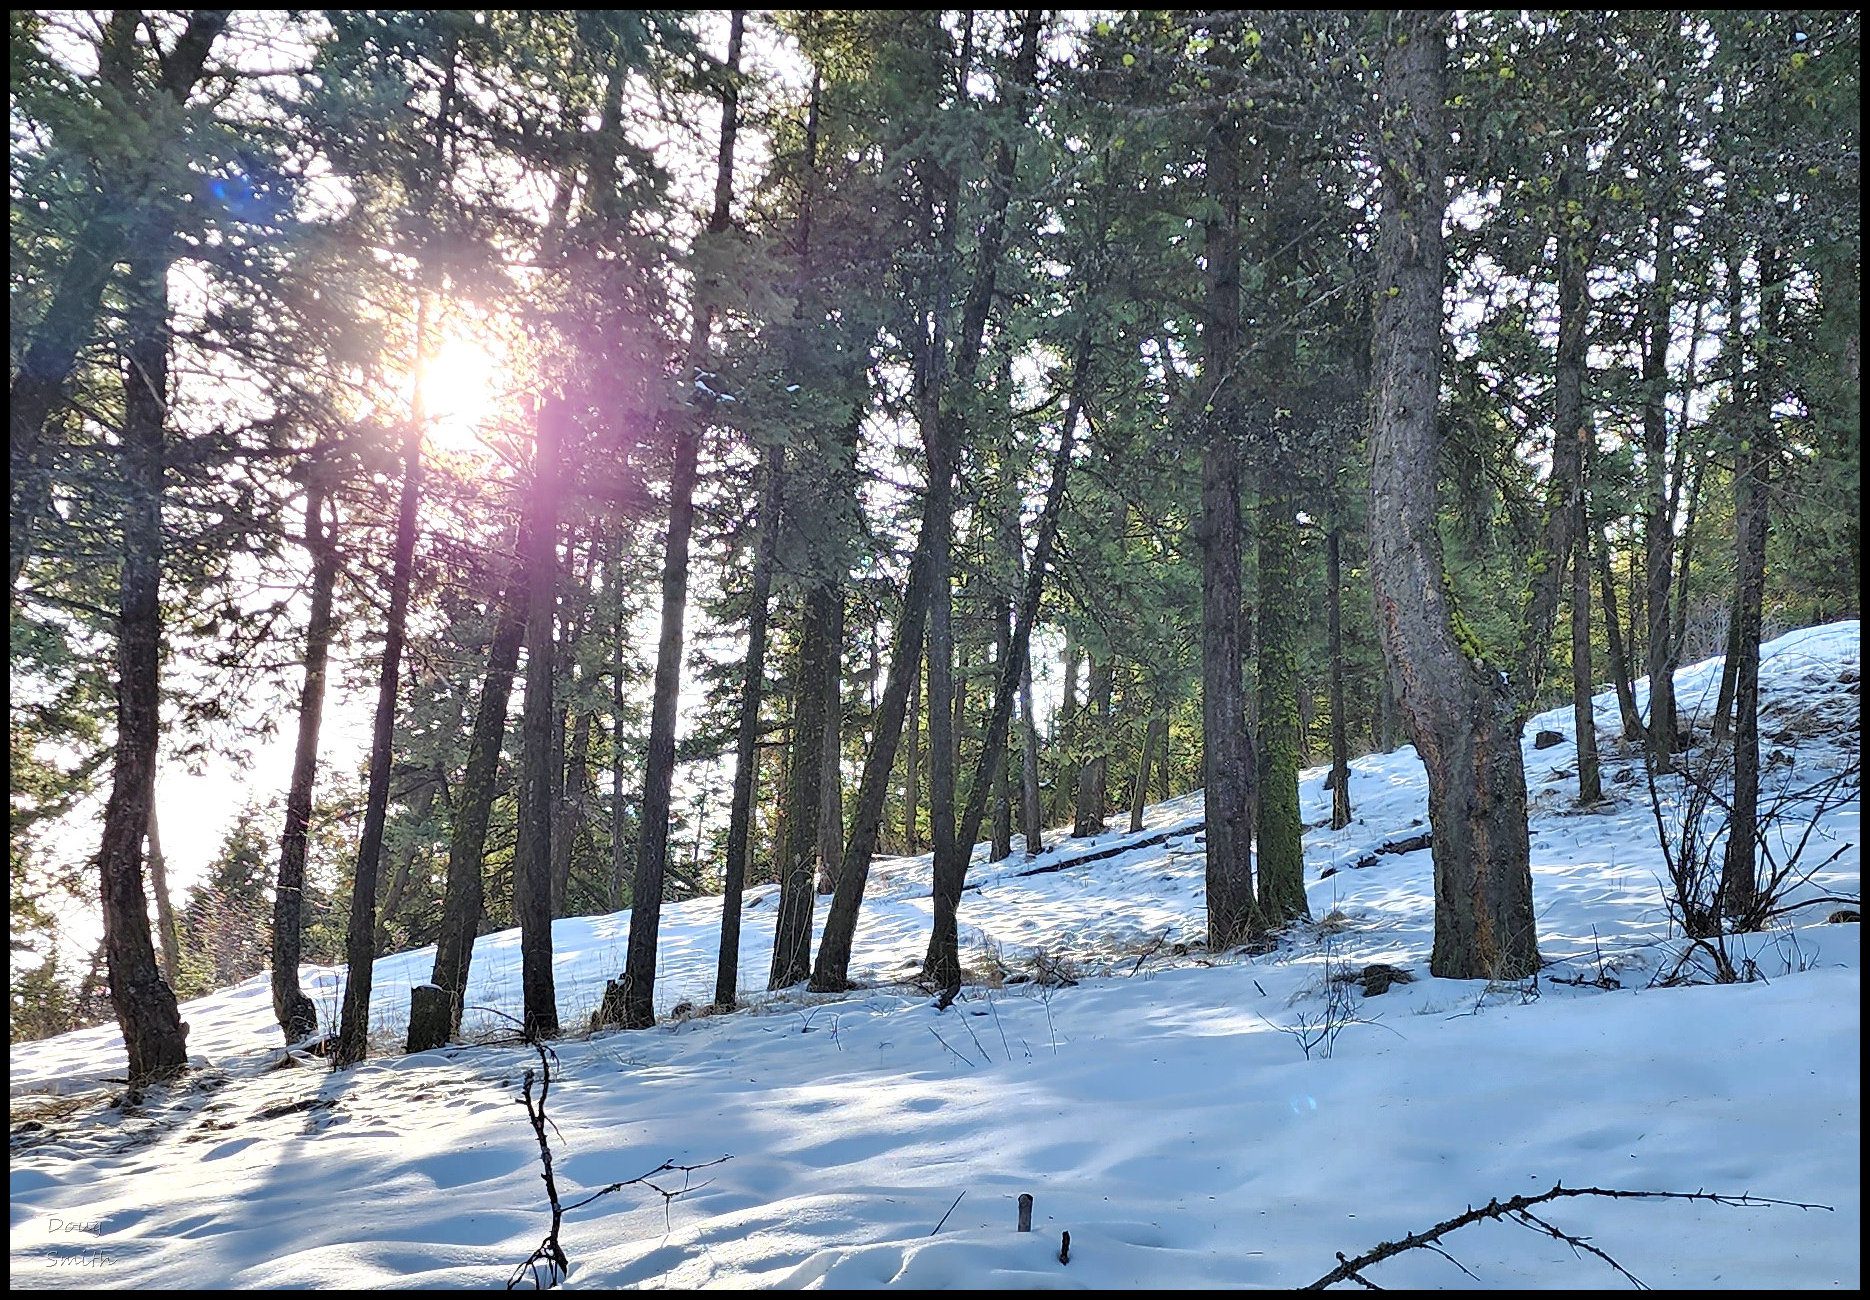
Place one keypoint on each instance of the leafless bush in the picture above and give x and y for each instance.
(1693, 835)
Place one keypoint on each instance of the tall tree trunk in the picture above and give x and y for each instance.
(635, 1007)
(1139, 791)
(170, 941)
(405, 859)
(532, 853)
(1334, 636)
(464, 892)
(912, 795)
(1734, 344)
(360, 941)
(1659, 521)
(153, 1032)
(572, 810)
(1065, 730)
(1460, 713)
(792, 937)
(1752, 475)
(1569, 415)
(1583, 721)
(1031, 826)
(831, 755)
(942, 963)
(1002, 848)
(1282, 853)
(1088, 808)
(939, 419)
(1227, 759)
(294, 1011)
(1632, 725)
(746, 745)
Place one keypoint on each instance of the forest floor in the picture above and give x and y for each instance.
(1161, 1108)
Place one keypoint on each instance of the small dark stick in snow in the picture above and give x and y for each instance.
(1064, 1248)
(1025, 1211)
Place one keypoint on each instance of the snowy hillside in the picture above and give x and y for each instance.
(1160, 1109)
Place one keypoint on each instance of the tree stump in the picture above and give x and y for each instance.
(429, 1007)
(1547, 739)
(1025, 1211)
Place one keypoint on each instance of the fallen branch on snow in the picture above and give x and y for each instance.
(1518, 1209)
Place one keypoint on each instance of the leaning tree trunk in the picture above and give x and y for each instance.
(294, 1011)
(1227, 762)
(942, 963)
(1139, 792)
(153, 1032)
(633, 1006)
(1631, 721)
(360, 941)
(1458, 709)
(406, 856)
(1282, 853)
(463, 892)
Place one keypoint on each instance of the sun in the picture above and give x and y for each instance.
(460, 390)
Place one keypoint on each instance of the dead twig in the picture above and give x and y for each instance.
(1517, 1210)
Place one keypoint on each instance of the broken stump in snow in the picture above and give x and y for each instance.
(1547, 739)
(1025, 1211)
(429, 1007)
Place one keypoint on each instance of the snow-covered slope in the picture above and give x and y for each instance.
(1155, 1109)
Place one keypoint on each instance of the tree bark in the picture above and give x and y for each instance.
(297, 1017)
(1002, 796)
(1227, 759)
(1632, 725)
(792, 937)
(360, 942)
(405, 859)
(153, 1032)
(532, 854)
(171, 945)
(1334, 636)
(1093, 768)
(912, 795)
(746, 746)
(1568, 414)
(1460, 711)
(1276, 812)
(463, 894)
(1139, 792)
(1659, 521)
(1031, 826)
(1752, 474)
(831, 755)
(638, 982)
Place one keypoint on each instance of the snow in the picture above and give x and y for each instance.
(1155, 1109)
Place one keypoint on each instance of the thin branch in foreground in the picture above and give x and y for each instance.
(1516, 1210)
(548, 1265)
